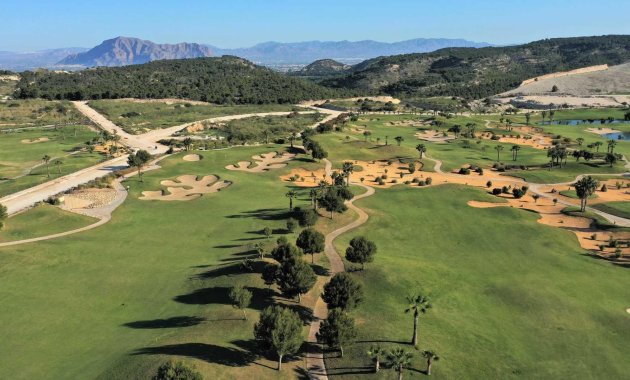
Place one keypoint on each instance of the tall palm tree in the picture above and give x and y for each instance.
(515, 150)
(417, 303)
(584, 188)
(399, 139)
(398, 359)
(611, 146)
(58, 164)
(314, 194)
(347, 169)
(543, 114)
(422, 149)
(597, 144)
(375, 353)
(291, 194)
(46, 160)
(292, 138)
(498, 148)
(431, 356)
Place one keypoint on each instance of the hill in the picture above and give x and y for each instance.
(614, 80)
(322, 68)
(122, 51)
(477, 73)
(218, 80)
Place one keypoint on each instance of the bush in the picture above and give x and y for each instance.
(429, 181)
(305, 217)
(604, 188)
(496, 191)
(505, 190)
(464, 171)
(380, 181)
(518, 193)
(176, 371)
(489, 184)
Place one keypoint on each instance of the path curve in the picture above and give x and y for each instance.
(315, 364)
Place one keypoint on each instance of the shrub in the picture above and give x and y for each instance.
(176, 371)
(380, 181)
(489, 184)
(604, 188)
(464, 171)
(429, 181)
(305, 217)
(496, 191)
(505, 190)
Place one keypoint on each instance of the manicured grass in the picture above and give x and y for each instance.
(572, 194)
(35, 112)
(503, 287)
(621, 209)
(135, 117)
(151, 284)
(41, 221)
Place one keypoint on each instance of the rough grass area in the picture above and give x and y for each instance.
(35, 112)
(137, 117)
(621, 209)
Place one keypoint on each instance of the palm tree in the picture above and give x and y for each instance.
(399, 139)
(584, 188)
(417, 304)
(611, 145)
(498, 148)
(292, 138)
(580, 141)
(314, 194)
(347, 168)
(597, 144)
(291, 194)
(528, 117)
(543, 114)
(398, 359)
(515, 150)
(431, 356)
(375, 353)
(58, 164)
(422, 149)
(46, 160)
(366, 134)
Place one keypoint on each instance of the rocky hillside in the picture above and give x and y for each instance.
(121, 51)
(477, 73)
(323, 68)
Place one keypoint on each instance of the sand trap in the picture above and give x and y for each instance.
(602, 131)
(192, 157)
(433, 136)
(263, 163)
(35, 141)
(89, 198)
(617, 191)
(306, 178)
(628, 310)
(185, 188)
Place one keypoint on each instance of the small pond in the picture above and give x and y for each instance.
(617, 136)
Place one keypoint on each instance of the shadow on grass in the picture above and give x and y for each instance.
(202, 351)
(261, 298)
(264, 214)
(173, 322)
(232, 269)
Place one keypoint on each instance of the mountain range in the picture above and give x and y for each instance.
(122, 51)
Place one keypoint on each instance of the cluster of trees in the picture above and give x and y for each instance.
(3, 215)
(138, 160)
(223, 80)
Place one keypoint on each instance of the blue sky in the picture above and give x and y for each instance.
(40, 24)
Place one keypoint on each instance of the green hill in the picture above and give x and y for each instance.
(219, 80)
(477, 73)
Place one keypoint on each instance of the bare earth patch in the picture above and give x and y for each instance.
(602, 131)
(192, 157)
(434, 136)
(186, 187)
(35, 141)
(89, 198)
(263, 163)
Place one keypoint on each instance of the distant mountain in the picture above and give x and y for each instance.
(477, 73)
(18, 61)
(342, 51)
(122, 51)
(322, 68)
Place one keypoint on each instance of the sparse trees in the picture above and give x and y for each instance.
(311, 241)
(584, 188)
(417, 304)
(431, 356)
(361, 251)
(46, 160)
(240, 298)
(343, 292)
(398, 359)
(337, 330)
(279, 330)
(138, 160)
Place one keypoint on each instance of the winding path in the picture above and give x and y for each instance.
(315, 364)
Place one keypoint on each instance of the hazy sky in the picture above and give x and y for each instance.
(40, 24)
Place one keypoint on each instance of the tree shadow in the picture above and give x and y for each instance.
(348, 371)
(384, 341)
(264, 214)
(320, 270)
(173, 322)
(261, 298)
(207, 352)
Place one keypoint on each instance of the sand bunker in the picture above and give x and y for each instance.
(186, 187)
(306, 178)
(434, 136)
(617, 190)
(89, 198)
(551, 215)
(35, 141)
(263, 163)
(628, 310)
(602, 131)
(192, 157)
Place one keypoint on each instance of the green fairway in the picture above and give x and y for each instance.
(150, 284)
(41, 221)
(21, 164)
(139, 117)
(520, 298)
(621, 209)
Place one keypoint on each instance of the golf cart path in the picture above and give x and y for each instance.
(315, 364)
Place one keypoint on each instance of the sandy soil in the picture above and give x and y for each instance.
(613, 193)
(572, 101)
(186, 187)
(89, 198)
(263, 163)
(306, 178)
(433, 136)
(534, 140)
(191, 157)
(35, 141)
